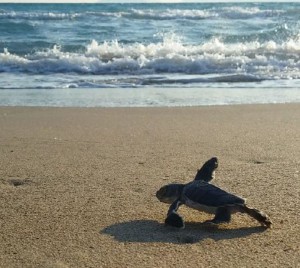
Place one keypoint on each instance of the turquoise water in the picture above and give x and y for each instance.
(149, 54)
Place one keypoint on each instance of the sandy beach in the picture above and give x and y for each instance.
(77, 186)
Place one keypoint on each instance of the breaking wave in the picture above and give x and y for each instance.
(263, 60)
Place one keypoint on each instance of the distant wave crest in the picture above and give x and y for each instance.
(37, 15)
(150, 14)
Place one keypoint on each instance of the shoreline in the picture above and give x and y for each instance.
(152, 107)
(78, 185)
(147, 97)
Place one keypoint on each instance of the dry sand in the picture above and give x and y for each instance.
(77, 185)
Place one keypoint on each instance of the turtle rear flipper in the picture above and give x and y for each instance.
(256, 214)
(223, 215)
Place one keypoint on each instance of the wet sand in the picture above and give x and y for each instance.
(77, 186)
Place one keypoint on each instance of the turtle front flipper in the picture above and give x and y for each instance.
(207, 171)
(173, 218)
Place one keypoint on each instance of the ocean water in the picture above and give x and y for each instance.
(119, 55)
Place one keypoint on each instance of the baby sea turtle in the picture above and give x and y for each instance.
(174, 190)
(203, 196)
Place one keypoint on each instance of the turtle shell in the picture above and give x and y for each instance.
(204, 196)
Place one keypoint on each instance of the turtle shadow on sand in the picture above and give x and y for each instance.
(150, 231)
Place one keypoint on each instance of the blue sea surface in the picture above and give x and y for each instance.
(128, 55)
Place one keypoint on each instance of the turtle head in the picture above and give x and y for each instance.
(207, 171)
(169, 193)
